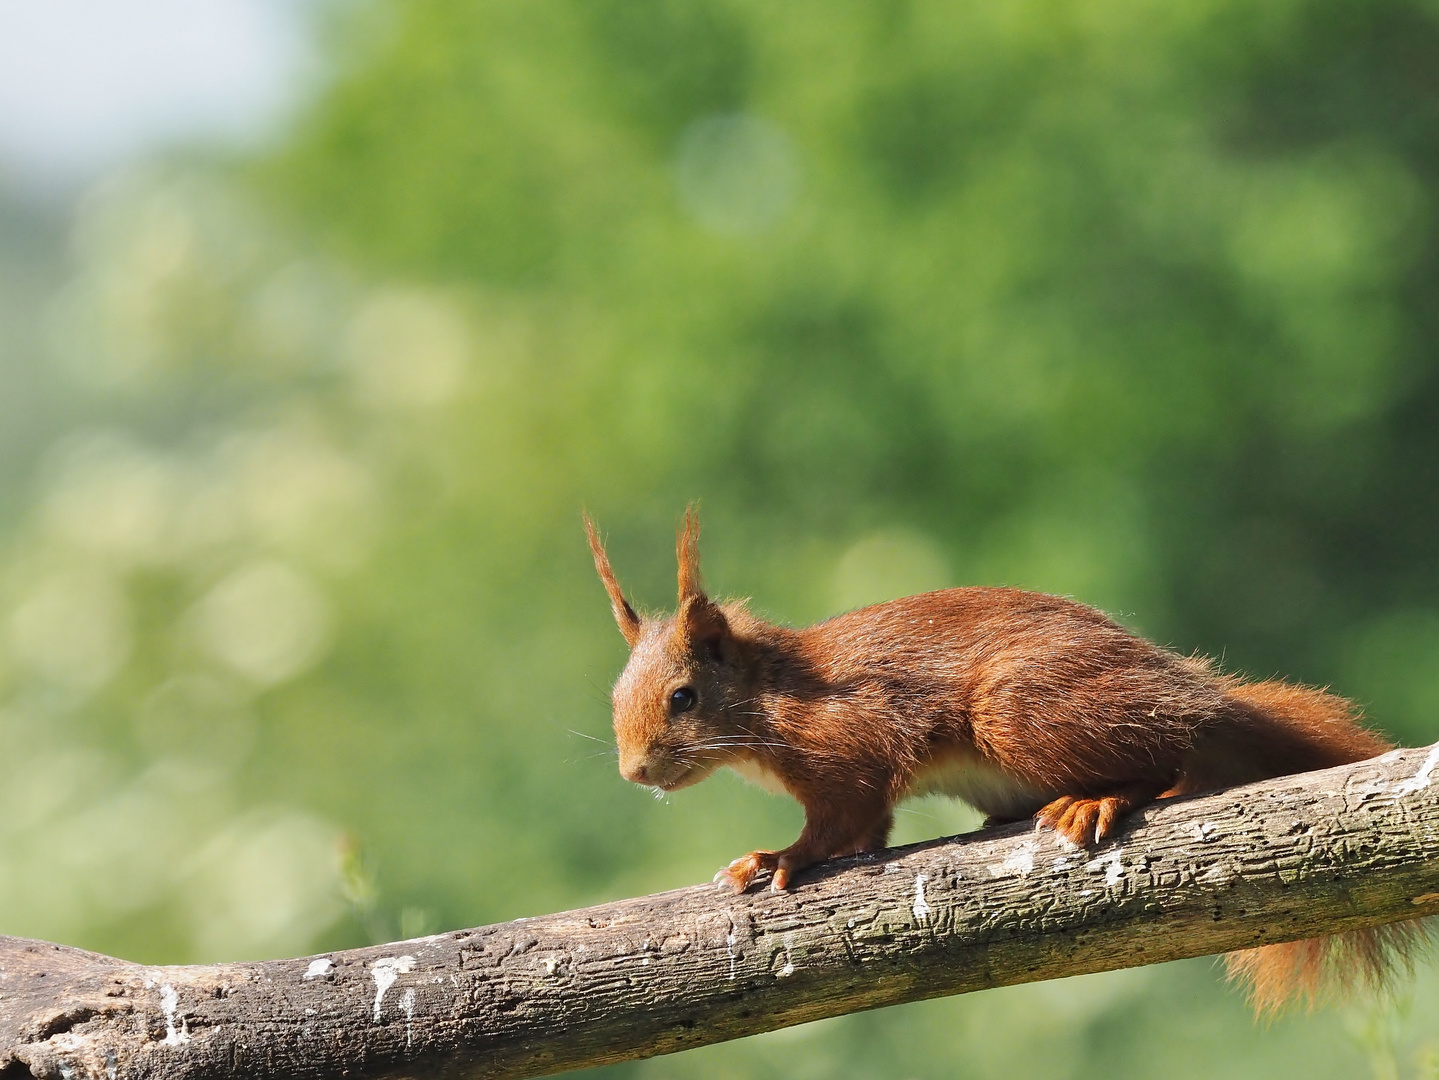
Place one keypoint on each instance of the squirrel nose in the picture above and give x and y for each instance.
(636, 772)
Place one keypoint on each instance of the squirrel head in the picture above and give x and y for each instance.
(678, 702)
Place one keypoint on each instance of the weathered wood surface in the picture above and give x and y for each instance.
(1323, 852)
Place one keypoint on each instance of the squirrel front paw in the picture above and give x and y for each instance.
(741, 873)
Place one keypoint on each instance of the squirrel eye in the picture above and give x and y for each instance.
(683, 699)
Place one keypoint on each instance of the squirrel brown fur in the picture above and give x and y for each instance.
(1019, 703)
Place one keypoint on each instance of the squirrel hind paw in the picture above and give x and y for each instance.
(1083, 822)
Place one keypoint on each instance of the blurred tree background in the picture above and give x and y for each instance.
(300, 645)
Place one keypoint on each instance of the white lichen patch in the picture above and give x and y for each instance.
(1115, 871)
(788, 969)
(1205, 830)
(920, 907)
(1112, 863)
(318, 967)
(169, 1003)
(407, 1002)
(385, 971)
(1019, 861)
(1420, 780)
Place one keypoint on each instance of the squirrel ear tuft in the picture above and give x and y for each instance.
(687, 552)
(702, 626)
(700, 623)
(629, 622)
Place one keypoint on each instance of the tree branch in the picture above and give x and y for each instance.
(1290, 858)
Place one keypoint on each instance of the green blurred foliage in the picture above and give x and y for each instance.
(1133, 302)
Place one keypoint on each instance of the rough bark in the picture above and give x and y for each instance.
(1330, 851)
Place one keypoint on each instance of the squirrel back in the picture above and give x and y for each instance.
(1020, 703)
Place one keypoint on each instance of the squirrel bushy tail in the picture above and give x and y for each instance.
(1305, 729)
(1327, 970)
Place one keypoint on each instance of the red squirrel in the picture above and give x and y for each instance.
(1021, 704)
